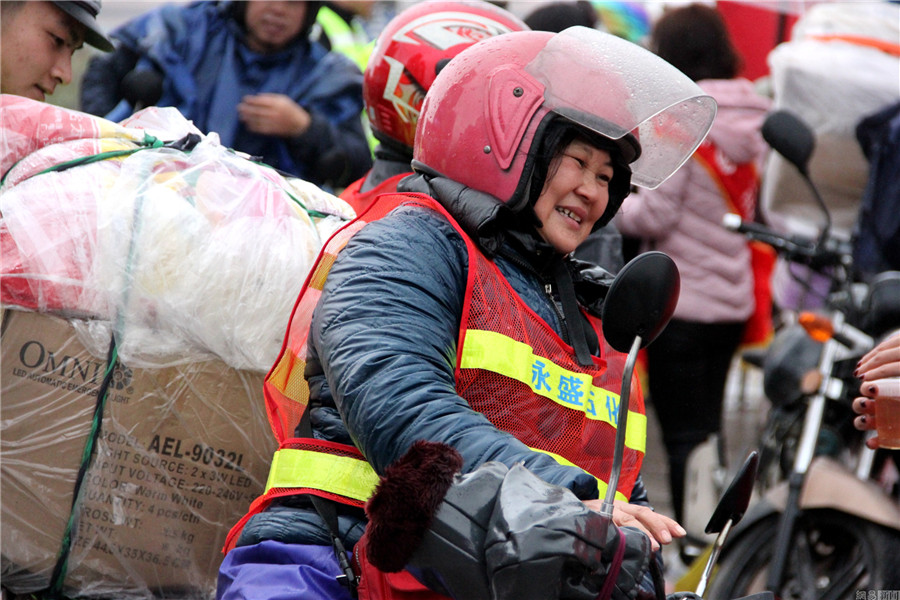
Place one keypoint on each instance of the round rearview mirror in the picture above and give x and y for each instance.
(791, 137)
(640, 300)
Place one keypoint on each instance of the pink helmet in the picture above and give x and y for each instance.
(484, 116)
(411, 50)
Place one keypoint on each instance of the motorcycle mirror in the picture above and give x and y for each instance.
(640, 300)
(637, 308)
(792, 138)
(728, 512)
(734, 501)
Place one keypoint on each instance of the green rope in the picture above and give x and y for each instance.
(62, 561)
(148, 142)
(61, 568)
(310, 212)
(295, 199)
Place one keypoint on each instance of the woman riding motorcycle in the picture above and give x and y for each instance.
(453, 312)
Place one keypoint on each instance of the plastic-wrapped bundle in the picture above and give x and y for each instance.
(180, 453)
(842, 64)
(123, 466)
(185, 252)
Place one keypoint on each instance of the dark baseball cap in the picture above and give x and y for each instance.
(85, 12)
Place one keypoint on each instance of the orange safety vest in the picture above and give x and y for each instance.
(511, 366)
(360, 201)
(738, 183)
(739, 186)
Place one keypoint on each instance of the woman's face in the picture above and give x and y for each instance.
(575, 195)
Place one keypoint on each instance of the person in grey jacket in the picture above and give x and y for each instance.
(689, 362)
(459, 316)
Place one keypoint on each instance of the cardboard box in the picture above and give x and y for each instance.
(181, 453)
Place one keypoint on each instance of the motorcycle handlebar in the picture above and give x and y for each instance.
(817, 254)
(755, 231)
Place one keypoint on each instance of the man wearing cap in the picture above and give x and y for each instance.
(37, 40)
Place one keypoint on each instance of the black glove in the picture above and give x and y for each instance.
(505, 533)
(543, 542)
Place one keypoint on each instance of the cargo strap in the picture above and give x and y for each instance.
(328, 511)
(60, 569)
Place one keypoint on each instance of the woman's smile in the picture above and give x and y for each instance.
(569, 213)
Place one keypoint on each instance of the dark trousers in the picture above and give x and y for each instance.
(687, 369)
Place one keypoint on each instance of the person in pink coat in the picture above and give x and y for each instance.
(688, 364)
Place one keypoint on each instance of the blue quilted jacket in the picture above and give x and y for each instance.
(383, 350)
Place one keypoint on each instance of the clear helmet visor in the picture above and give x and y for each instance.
(614, 87)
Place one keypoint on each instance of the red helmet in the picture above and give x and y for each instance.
(411, 50)
(485, 114)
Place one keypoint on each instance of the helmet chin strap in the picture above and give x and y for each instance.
(576, 324)
(547, 263)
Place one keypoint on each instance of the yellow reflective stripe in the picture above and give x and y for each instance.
(601, 485)
(343, 475)
(500, 354)
(636, 431)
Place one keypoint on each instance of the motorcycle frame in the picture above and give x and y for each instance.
(810, 486)
(806, 447)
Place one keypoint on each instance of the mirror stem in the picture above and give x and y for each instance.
(820, 202)
(713, 557)
(621, 425)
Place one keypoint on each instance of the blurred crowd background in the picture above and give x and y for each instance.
(756, 25)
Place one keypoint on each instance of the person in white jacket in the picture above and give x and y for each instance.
(688, 364)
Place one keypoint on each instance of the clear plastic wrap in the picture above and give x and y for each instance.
(182, 451)
(186, 255)
(190, 260)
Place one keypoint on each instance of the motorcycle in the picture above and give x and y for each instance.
(823, 527)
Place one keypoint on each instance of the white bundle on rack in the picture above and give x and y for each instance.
(185, 254)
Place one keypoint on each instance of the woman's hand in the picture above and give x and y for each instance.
(273, 114)
(659, 528)
(881, 362)
(865, 409)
